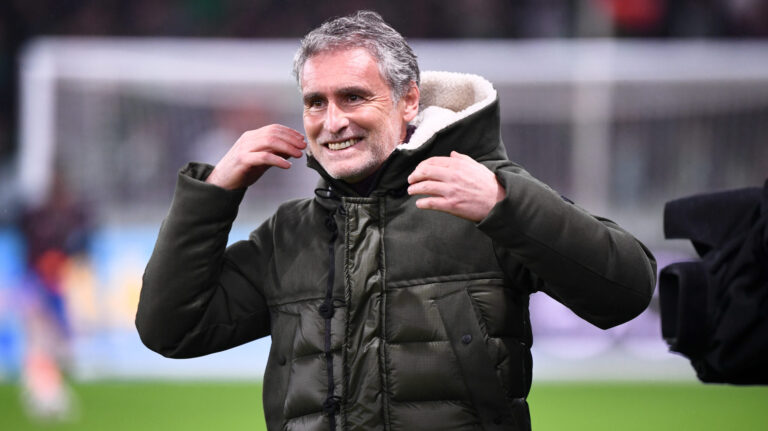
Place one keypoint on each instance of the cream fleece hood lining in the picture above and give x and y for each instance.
(447, 97)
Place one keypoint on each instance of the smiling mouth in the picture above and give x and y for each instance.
(335, 146)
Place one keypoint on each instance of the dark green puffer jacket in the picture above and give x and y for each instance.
(384, 316)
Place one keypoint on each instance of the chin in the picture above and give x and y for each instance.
(350, 176)
(342, 169)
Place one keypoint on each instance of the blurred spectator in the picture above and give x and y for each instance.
(635, 17)
(56, 236)
(747, 17)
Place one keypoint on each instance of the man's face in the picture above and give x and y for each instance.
(350, 118)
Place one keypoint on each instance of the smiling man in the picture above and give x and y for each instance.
(352, 119)
(397, 297)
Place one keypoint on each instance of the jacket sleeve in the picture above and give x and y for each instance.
(197, 295)
(587, 263)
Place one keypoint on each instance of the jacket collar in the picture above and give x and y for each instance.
(458, 112)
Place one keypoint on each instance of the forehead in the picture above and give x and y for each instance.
(330, 70)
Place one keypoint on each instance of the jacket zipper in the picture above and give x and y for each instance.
(331, 403)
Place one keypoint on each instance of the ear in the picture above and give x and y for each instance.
(411, 100)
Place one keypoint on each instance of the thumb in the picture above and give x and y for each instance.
(458, 155)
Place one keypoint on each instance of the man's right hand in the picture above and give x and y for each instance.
(254, 153)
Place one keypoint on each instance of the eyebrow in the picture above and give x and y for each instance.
(354, 90)
(343, 91)
(312, 96)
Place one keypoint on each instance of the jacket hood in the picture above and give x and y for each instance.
(447, 98)
(457, 112)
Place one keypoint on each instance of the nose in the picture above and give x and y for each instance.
(335, 118)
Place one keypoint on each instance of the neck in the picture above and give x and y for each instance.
(364, 187)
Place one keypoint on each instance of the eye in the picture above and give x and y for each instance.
(315, 104)
(354, 98)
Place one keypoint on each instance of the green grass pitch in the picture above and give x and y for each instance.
(190, 406)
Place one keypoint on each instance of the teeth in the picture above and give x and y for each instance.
(341, 145)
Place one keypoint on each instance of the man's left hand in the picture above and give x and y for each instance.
(458, 185)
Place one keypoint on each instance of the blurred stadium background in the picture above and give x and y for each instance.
(620, 105)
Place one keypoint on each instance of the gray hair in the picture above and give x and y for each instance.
(364, 29)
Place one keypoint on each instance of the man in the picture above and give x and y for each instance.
(396, 298)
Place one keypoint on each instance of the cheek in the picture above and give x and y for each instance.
(373, 120)
(311, 127)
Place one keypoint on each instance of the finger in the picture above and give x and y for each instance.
(294, 138)
(433, 203)
(287, 136)
(287, 131)
(438, 161)
(458, 155)
(432, 171)
(279, 146)
(257, 139)
(446, 206)
(433, 188)
(264, 158)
